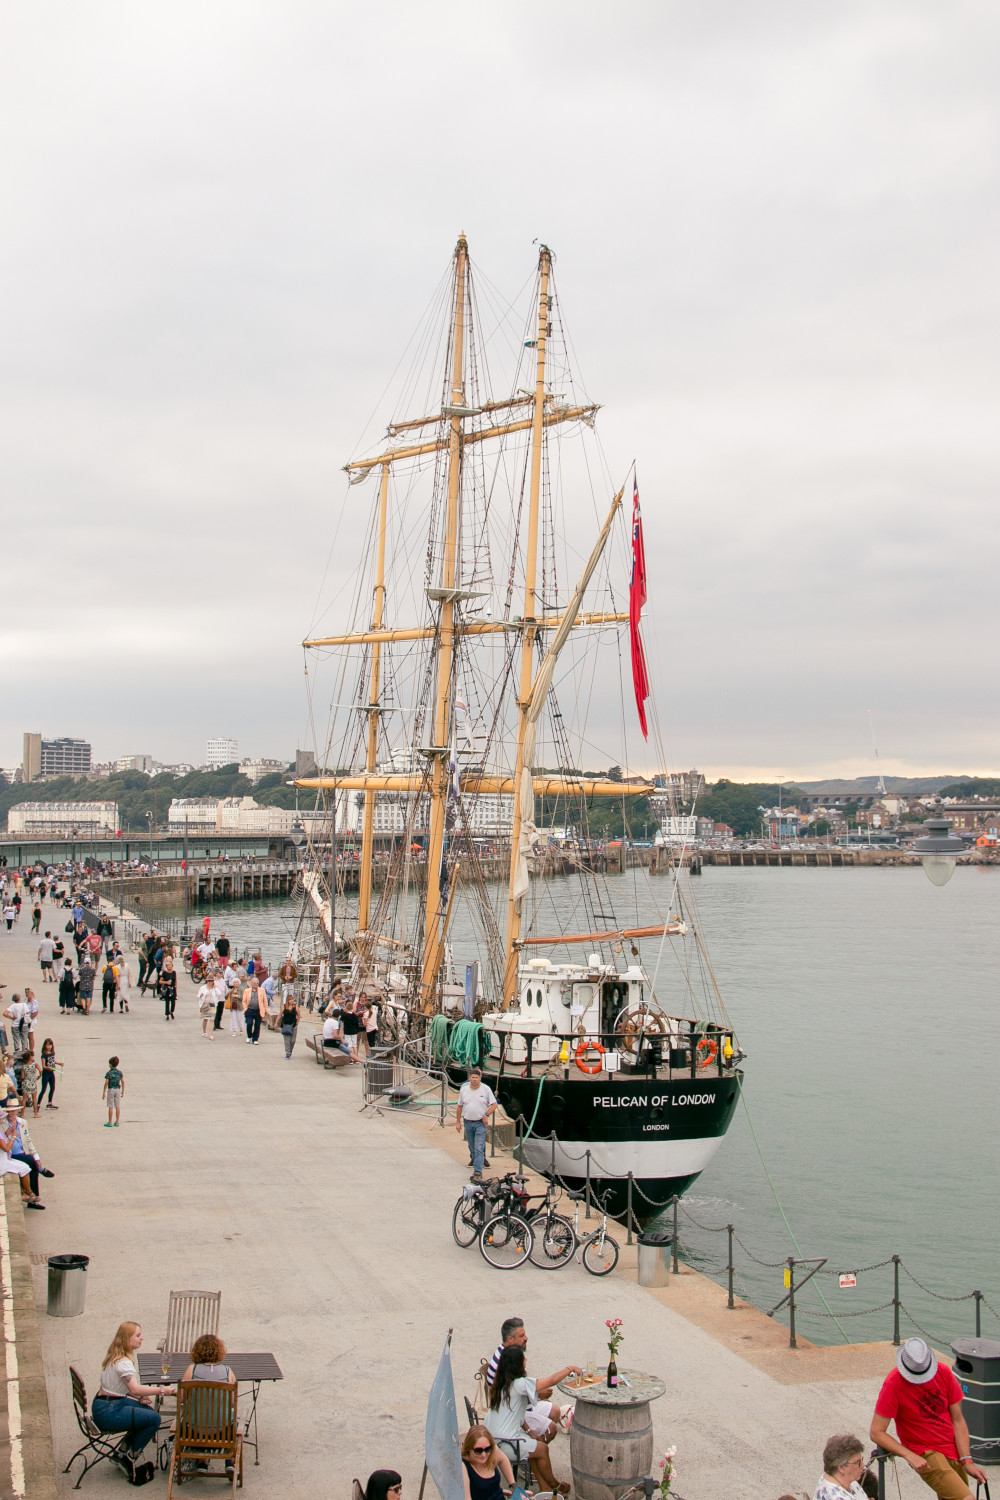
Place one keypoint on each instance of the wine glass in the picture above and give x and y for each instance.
(164, 1362)
(591, 1365)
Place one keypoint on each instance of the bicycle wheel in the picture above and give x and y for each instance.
(467, 1221)
(554, 1242)
(600, 1254)
(506, 1242)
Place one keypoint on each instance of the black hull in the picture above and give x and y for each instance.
(663, 1132)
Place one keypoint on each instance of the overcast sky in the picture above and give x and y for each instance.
(777, 238)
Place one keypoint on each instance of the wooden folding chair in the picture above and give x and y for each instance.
(206, 1429)
(100, 1444)
(189, 1315)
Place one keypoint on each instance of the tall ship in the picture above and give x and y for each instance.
(477, 879)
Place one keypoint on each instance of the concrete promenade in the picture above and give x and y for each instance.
(328, 1232)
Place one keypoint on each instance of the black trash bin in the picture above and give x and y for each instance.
(380, 1069)
(67, 1285)
(977, 1370)
(654, 1257)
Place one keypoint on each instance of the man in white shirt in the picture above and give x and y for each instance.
(476, 1102)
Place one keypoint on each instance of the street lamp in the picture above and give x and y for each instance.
(938, 851)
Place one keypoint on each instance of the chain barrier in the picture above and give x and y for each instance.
(772, 1265)
(966, 1297)
(931, 1337)
(708, 1228)
(860, 1270)
(860, 1313)
(599, 1200)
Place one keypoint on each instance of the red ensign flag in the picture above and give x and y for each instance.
(636, 599)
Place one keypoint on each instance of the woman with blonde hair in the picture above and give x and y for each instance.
(485, 1467)
(122, 1404)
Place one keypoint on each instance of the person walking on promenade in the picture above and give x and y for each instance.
(85, 984)
(166, 988)
(114, 1091)
(289, 1021)
(235, 1004)
(152, 946)
(925, 1401)
(30, 1079)
(222, 948)
(67, 989)
(16, 898)
(9, 913)
(36, 918)
(123, 1405)
(222, 988)
(206, 1005)
(46, 958)
(48, 1072)
(17, 1014)
(251, 1011)
(124, 982)
(476, 1102)
(93, 946)
(109, 986)
(287, 974)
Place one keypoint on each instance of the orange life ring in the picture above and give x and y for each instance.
(706, 1052)
(582, 1051)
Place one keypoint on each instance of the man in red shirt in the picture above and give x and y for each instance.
(925, 1400)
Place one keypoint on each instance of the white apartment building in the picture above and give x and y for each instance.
(135, 763)
(678, 830)
(256, 770)
(244, 815)
(196, 812)
(221, 752)
(59, 820)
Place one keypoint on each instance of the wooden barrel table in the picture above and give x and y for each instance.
(611, 1440)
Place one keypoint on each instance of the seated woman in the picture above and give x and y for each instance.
(122, 1404)
(511, 1393)
(207, 1356)
(486, 1468)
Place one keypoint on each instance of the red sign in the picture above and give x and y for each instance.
(848, 1279)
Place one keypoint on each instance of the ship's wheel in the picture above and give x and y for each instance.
(639, 1023)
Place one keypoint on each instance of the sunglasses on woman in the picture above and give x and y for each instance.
(482, 1450)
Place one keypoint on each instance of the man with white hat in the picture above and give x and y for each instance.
(925, 1401)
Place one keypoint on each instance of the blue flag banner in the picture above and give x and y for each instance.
(442, 1449)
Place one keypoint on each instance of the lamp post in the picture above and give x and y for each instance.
(938, 850)
(333, 888)
(184, 867)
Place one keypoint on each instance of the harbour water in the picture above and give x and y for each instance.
(867, 1003)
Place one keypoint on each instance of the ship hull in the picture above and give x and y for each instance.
(664, 1133)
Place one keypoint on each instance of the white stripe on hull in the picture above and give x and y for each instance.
(618, 1158)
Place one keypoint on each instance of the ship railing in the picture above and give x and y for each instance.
(702, 1050)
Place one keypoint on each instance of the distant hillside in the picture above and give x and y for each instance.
(865, 785)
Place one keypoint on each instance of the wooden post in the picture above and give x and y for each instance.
(528, 632)
(434, 917)
(374, 688)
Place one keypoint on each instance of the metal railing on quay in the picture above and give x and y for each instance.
(389, 1080)
(789, 1265)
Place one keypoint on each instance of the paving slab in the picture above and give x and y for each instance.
(328, 1231)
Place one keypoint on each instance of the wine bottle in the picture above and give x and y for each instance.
(612, 1373)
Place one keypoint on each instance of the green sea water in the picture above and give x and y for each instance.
(867, 1002)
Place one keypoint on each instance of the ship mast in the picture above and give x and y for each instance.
(435, 920)
(530, 627)
(368, 825)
